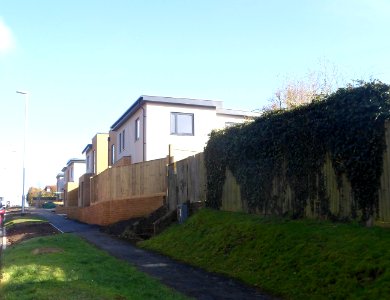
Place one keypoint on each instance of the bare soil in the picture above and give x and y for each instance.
(24, 231)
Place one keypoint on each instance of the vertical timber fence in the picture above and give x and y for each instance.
(187, 182)
(123, 192)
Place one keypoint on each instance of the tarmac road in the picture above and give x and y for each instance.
(191, 281)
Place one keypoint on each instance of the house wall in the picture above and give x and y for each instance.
(111, 142)
(74, 171)
(131, 147)
(60, 187)
(159, 135)
(89, 161)
(100, 146)
(156, 117)
(223, 119)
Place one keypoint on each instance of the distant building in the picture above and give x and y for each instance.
(72, 172)
(60, 186)
(96, 158)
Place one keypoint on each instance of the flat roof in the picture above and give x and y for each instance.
(87, 148)
(75, 160)
(235, 112)
(158, 99)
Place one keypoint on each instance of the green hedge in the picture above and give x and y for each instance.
(348, 125)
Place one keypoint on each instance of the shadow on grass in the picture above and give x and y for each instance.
(78, 271)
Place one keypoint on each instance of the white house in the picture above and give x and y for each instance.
(60, 186)
(75, 167)
(96, 154)
(155, 127)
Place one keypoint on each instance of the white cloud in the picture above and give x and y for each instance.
(6, 39)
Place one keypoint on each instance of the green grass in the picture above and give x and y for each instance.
(17, 219)
(79, 271)
(294, 259)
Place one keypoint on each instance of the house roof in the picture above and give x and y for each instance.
(75, 160)
(53, 188)
(87, 148)
(234, 112)
(157, 99)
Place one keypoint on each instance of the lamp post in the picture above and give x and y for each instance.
(24, 145)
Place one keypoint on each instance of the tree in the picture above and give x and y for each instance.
(315, 85)
(32, 192)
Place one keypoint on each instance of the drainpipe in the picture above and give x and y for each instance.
(143, 130)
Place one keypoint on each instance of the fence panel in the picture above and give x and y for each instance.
(186, 181)
(127, 181)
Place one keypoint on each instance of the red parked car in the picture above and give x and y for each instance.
(2, 213)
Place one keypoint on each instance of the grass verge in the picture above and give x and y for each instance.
(17, 219)
(294, 259)
(66, 267)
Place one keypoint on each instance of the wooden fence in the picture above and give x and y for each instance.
(71, 194)
(129, 181)
(187, 183)
(118, 193)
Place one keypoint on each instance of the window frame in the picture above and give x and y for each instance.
(137, 129)
(120, 142)
(123, 139)
(113, 156)
(175, 130)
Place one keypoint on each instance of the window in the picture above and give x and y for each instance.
(230, 124)
(123, 139)
(87, 163)
(137, 129)
(94, 161)
(112, 154)
(182, 123)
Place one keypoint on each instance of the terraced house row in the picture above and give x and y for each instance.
(123, 173)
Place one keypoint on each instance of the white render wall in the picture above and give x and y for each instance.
(78, 170)
(159, 135)
(132, 147)
(222, 119)
(89, 161)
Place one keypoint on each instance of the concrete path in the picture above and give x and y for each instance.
(188, 280)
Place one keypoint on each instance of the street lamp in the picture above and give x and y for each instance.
(24, 145)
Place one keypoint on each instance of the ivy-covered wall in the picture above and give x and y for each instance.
(282, 161)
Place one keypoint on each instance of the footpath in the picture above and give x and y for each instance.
(188, 280)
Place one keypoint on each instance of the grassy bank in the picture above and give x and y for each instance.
(300, 259)
(66, 267)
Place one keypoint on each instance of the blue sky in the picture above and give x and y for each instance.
(85, 62)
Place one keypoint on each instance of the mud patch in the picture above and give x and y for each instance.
(46, 250)
(24, 231)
